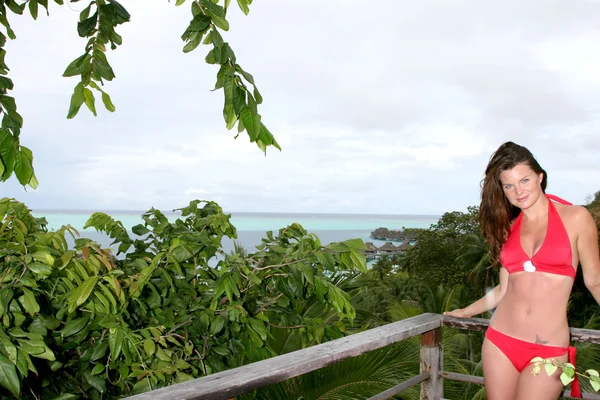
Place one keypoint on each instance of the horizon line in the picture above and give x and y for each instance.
(131, 211)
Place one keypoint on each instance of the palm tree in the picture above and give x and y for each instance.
(360, 377)
(476, 257)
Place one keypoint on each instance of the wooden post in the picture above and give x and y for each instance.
(432, 358)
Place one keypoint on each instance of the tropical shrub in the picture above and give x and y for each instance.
(82, 323)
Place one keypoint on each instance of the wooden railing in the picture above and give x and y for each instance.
(233, 382)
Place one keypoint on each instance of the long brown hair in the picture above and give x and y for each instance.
(495, 211)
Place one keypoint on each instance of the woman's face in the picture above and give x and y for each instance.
(522, 186)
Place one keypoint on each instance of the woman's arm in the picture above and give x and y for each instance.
(486, 303)
(587, 247)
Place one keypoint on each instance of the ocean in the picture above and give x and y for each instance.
(251, 227)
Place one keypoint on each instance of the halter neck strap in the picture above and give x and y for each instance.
(558, 199)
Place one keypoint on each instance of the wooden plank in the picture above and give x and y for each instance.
(471, 324)
(432, 338)
(401, 387)
(432, 360)
(481, 324)
(585, 336)
(454, 376)
(585, 395)
(230, 383)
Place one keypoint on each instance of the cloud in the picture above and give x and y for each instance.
(386, 107)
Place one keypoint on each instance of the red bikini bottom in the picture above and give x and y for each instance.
(520, 353)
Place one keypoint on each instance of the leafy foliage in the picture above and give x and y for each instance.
(82, 323)
(98, 23)
(451, 253)
(582, 305)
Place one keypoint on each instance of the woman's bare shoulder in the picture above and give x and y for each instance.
(575, 216)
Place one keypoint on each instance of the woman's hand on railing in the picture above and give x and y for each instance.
(458, 313)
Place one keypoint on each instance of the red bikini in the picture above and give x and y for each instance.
(553, 257)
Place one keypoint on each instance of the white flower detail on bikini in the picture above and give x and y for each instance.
(528, 266)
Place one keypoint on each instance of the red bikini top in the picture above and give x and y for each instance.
(554, 256)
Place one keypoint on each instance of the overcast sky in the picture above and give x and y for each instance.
(380, 107)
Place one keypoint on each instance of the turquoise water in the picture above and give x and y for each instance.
(251, 227)
(264, 221)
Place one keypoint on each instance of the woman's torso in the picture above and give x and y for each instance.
(534, 306)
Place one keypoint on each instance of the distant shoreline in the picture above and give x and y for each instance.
(426, 217)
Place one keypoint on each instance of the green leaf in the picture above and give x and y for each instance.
(217, 325)
(199, 24)
(115, 342)
(86, 27)
(357, 244)
(8, 376)
(179, 2)
(66, 396)
(211, 57)
(33, 8)
(82, 293)
(43, 270)
(43, 256)
(140, 230)
(22, 363)
(163, 355)
(309, 273)
(143, 385)
(8, 151)
(78, 66)
(99, 351)
(182, 364)
(594, 381)
(195, 40)
(16, 7)
(565, 379)
(77, 100)
(10, 349)
(244, 6)
(245, 74)
(257, 96)
(74, 326)
(149, 347)
(230, 117)
(25, 162)
(259, 327)
(85, 13)
(108, 102)
(239, 99)
(29, 303)
(220, 22)
(99, 368)
(23, 168)
(96, 382)
(33, 183)
(216, 38)
(550, 369)
(101, 65)
(251, 122)
(180, 253)
(90, 102)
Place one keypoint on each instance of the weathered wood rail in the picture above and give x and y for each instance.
(230, 383)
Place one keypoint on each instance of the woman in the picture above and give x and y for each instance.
(539, 240)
